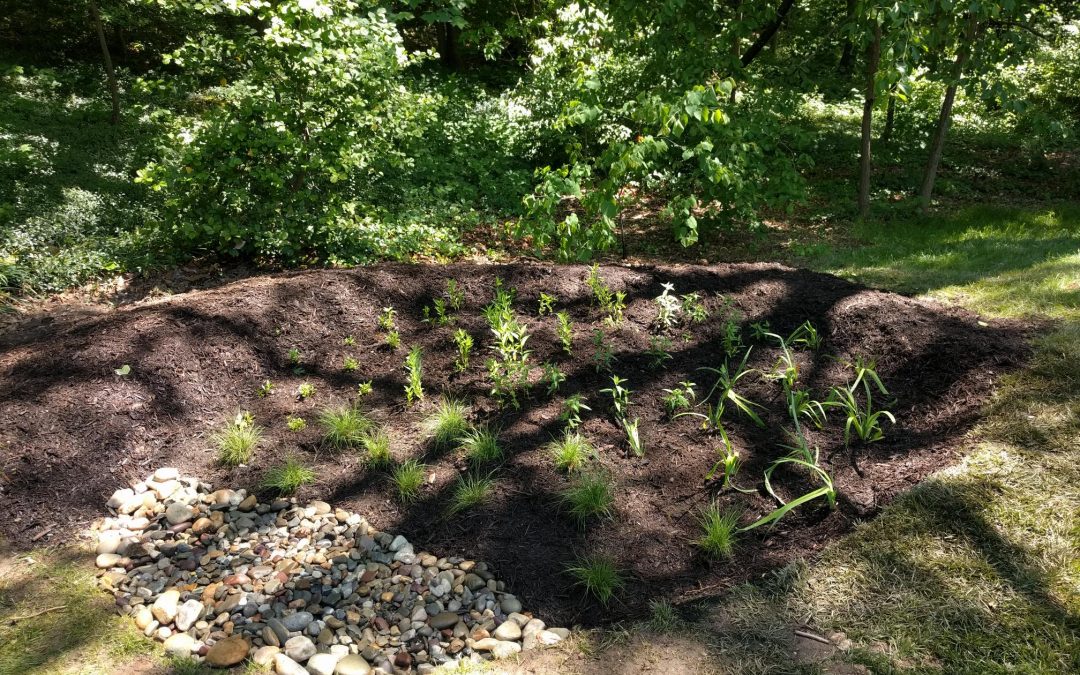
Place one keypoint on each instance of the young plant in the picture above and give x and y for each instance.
(471, 491)
(732, 337)
(694, 307)
(393, 340)
(265, 389)
(668, 308)
(800, 404)
(760, 331)
(598, 576)
(376, 444)
(726, 381)
(662, 616)
(553, 377)
(681, 398)
(441, 317)
(565, 331)
(603, 356)
(659, 351)
(800, 456)
(349, 364)
(612, 303)
(721, 531)
(414, 389)
(862, 422)
(448, 423)
(464, 344)
(547, 304)
(571, 452)
(296, 424)
(481, 445)
(305, 391)
(349, 341)
(408, 480)
(343, 427)
(806, 335)
(455, 297)
(571, 410)
(386, 319)
(620, 396)
(294, 356)
(728, 465)
(237, 441)
(589, 497)
(364, 388)
(509, 369)
(633, 437)
(287, 478)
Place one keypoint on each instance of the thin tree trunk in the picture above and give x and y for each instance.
(448, 51)
(767, 33)
(114, 91)
(735, 49)
(937, 145)
(873, 56)
(890, 116)
(847, 56)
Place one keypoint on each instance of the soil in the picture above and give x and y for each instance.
(74, 430)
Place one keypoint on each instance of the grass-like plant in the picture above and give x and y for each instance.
(565, 330)
(296, 424)
(570, 452)
(408, 480)
(470, 492)
(721, 531)
(376, 444)
(806, 335)
(237, 441)
(414, 368)
(598, 576)
(726, 381)
(633, 436)
(464, 343)
(287, 478)
(862, 421)
(728, 465)
(481, 445)
(343, 427)
(589, 497)
(448, 422)
(760, 331)
(571, 410)
(662, 616)
(800, 456)
(349, 341)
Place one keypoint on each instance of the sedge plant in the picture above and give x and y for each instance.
(598, 576)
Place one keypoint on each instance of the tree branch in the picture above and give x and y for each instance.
(767, 33)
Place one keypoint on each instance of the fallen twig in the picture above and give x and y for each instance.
(15, 619)
(812, 636)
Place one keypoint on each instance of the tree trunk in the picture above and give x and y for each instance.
(847, 56)
(890, 116)
(448, 52)
(873, 56)
(767, 33)
(937, 145)
(114, 91)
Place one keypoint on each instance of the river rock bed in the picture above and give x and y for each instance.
(218, 575)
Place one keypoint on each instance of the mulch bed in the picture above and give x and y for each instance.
(74, 431)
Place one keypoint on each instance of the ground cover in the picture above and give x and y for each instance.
(84, 424)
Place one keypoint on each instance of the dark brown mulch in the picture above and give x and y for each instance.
(73, 431)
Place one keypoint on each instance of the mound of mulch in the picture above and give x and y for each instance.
(74, 431)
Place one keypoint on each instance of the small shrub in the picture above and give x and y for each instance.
(571, 452)
(603, 355)
(694, 307)
(296, 424)
(376, 444)
(409, 480)
(547, 304)
(294, 356)
(393, 340)
(237, 441)
(553, 377)
(287, 478)
(620, 396)
(344, 427)
(349, 341)
(598, 576)
(668, 308)
(464, 343)
(589, 497)
(481, 445)
(386, 319)
(678, 399)
(455, 297)
(612, 303)
(470, 491)
(565, 331)
(659, 351)
(349, 364)
(448, 422)
(721, 531)
(364, 388)
(305, 391)
(571, 410)
(265, 389)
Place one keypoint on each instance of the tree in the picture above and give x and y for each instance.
(873, 57)
(95, 17)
